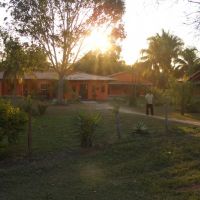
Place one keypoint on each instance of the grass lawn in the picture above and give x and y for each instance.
(141, 167)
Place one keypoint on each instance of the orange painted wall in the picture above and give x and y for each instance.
(117, 90)
(32, 87)
(130, 77)
(96, 90)
(6, 89)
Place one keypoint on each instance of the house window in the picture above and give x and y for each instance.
(44, 89)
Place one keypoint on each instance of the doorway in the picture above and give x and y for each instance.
(84, 91)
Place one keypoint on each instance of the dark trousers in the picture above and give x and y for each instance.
(149, 107)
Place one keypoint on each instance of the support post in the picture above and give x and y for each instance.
(166, 118)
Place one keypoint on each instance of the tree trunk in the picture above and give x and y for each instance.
(14, 92)
(29, 133)
(60, 89)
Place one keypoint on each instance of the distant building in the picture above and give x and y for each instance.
(127, 83)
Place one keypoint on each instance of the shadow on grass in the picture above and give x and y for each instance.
(152, 166)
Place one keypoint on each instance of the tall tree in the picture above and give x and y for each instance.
(95, 62)
(61, 26)
(14, 62)
(159, 57)
(187, 63)
(20, 58)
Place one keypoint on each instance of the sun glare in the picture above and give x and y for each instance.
(98, 40)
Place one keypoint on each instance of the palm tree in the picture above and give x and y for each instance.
(159, 57)
(187, 63)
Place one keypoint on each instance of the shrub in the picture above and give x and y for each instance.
(42, 107)
(12, 121)
(30, 105)
(54, 101)
(140, 128)
(193, 106)
(181, 95)
(87, 124)
(159, 96)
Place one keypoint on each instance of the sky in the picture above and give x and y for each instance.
(145, 18)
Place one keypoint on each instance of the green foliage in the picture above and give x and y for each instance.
(28, 104)
(42, 107)
(187, 63)
(19, 58)
(87, 124)
(140, 128)
(99, 63)
(158, 58)
(180, 94)
(12, 121)
(18, 101)
(193, 106)
(159, 96)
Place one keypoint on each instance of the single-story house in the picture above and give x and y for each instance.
(77, 85)
(44, 84)
(127, 83)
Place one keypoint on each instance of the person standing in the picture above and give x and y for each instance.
(149, 103)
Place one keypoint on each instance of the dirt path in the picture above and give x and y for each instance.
(106, 106)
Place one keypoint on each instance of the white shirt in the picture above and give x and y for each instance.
(149, 98)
